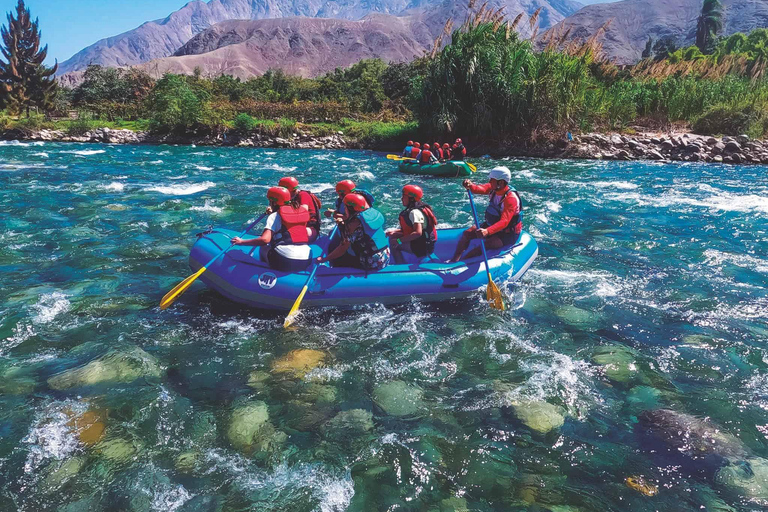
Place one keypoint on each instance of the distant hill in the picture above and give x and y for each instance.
(162, 38)
(633, 21)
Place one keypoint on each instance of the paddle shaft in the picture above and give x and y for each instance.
(250, 226)
(477, 224)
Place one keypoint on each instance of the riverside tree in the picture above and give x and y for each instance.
(709, 25)
(24, 80)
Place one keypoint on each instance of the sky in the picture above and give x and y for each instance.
(68, 26)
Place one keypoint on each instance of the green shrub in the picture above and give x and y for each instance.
(33, 123)
(81, 125)
(176, 105)
(733, 120)
(245, 123)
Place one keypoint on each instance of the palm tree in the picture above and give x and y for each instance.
(710, 24)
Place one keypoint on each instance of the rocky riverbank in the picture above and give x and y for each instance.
(670, 147)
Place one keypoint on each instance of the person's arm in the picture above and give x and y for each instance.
(264, 239)
(416, 233)
(483, 188)
(510, 208)
(338, 252)
(394, 233)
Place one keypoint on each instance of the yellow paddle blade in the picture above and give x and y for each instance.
(180, 288)
(295, 309)
(393, 157)
(493, 294)
(472, 167)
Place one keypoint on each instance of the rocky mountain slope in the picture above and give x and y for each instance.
(633, 21)
(162, 38)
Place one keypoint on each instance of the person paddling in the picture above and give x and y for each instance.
(415, 150)
(418, 226)
(447, 151)
(437, 151)
(426, 156)
(286, 234)
(459, 152)
(308, 199)
(408, 149)
(503, 217)
(363, 232)
(343, 188)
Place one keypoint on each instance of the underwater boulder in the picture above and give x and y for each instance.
(581, 319)
(539, 416)
(618, 363)
(250, 431)
(748, 479)
(349, 423)
(118, 450)
(62, 473)
(187, 462)
(89, 426)
(398, 398)
(16, 381)
(115, 366)
(297, 363)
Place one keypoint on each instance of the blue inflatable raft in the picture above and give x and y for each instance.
(241, 275)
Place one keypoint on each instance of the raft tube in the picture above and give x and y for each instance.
(451, 169)
(240, 275)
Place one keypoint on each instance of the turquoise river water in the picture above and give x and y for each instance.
(635, 347)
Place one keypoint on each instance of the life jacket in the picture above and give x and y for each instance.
(438, 153)
(459, 152)
(493, 212)
(314, 205)
(415, 152)
(293, 229)
(408, 150)
(429, 231)
(447, 154)
(375, 239)
(426, 157)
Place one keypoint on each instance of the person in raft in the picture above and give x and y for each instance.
(286, 235)
(304, 198)
(426, 156)
(459, 151)
(418, 226)
(503, 217)
(363, 232)
(447, 152)
(408, 149)
(343, 188)
(415, 150)
(437, 150)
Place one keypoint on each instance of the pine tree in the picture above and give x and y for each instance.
(648, 49)
(710, 24)
(24, 80)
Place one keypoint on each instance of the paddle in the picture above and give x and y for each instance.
(399, 158)
(180, 288)
(295, 309)
(471, 167)
(493, 294)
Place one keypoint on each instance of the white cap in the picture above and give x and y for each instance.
(501, 173)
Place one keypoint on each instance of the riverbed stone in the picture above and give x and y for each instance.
(398, 398)
(187, 462)
(732, 147)
(62, 473)
(541, 417)
(579, 318)
(250, 431)
(618, 363)
(16, 381)
(115, 366)
(298, 363)
(748, 479)
(89, 426)
(348, 424)
(118, 450)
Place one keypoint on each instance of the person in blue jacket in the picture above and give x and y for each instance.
(363, 233)
(408, 149)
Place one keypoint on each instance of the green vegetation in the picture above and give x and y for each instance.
(24, 81)
(709, 25)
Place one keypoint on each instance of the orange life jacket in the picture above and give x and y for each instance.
(415, 152)
(426, 157)
(429, 231)
(294, 225)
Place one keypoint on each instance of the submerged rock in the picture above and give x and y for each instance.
(641, 485)
(748, 479)
(187, 462)
(643, 397)
(398, 398)
(580, 318)
(298, 363)
(541, 417)
(250, 431)
(123, 366)
(118, 450)
(16, 381)
(690, 435)
(89, 426)
(619, 364)
(59, 476)
(349, 423)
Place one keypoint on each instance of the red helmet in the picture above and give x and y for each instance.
(416, 145)
(413, 191)
(279, 195)
(436, 145)
(426, 146)
(446, 146)
(345, 186)
(289, 182)
(410, 143)
(458, 141)
(355, 202)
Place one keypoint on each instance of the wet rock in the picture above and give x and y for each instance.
(579, 318)
(711, 141)
(737, 158)
(348, 424)
(298, 363)
(89, 426)
(204, 428)
(16, 381)
(655, 155)
(641, 485)
(187, 462)
(641, 398)
(250, 431)
(454, 504)
(732, 147)
(124, 366)
(717, 158)
(398, 398)
(742, 139)
(623, 155)
(305, 417)
(258, 379)
(718, 148)
(748, 479)
(698, 340)
(687, 434)
(62, 473)
(540, 417)
(618, 363)
(118, 450)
